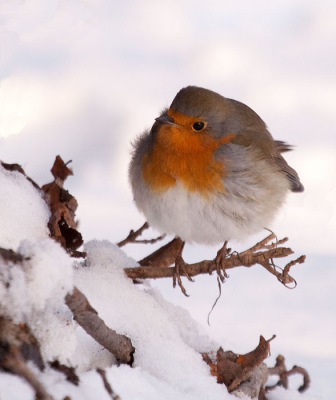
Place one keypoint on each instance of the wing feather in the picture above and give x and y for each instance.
(293, 177)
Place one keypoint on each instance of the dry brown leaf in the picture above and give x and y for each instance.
(232, 369)
(60, 169)
(63, 206)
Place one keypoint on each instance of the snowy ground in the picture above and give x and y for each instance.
(168, 341)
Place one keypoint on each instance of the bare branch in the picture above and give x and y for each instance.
(69, 372)
(14, 362)
(246, 258)
(133, 235)
(254, 384)
(299, 260)
(262, 245)
(21, 337)
(304, 373)
(87, 317)
(18, 345)
(18, 168)
(107, 385)
(164, 256)
(281, 370)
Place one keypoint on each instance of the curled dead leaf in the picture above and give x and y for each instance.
(63, 205)
(232, 369)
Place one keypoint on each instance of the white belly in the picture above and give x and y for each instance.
(254, 191)
(212, 220)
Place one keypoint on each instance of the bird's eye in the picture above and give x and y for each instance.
(198, 126)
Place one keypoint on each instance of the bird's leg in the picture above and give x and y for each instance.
(222, 253)
(180, 266)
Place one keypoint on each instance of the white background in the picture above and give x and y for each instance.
(83, 78)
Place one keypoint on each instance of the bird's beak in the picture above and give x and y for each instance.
(166, 120)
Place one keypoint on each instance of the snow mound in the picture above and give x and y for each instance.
(33, 292)
(167, 340)
(23, 212)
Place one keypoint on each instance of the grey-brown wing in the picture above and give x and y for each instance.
(293, 177)
(282, 147)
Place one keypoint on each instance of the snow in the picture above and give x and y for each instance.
(14, 388)
(33, 292)
(48, 272)
(168, 342)
(163, 349)
(281, 393)
(23, 212)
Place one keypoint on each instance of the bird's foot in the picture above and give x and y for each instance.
(180, 266)
(222, 254)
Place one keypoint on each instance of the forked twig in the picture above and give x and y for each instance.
(133, 235)
(281, 370)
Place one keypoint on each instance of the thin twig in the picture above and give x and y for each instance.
(107, 385)
(281, 370)
(304, 373)
(299, 260)
(133, 235)
(14, 362)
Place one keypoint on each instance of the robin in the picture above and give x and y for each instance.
(209, 170)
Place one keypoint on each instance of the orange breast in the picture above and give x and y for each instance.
(180, 154)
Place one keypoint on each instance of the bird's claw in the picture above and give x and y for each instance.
(180, 266)
(222, 253)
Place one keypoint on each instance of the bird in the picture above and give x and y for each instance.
(209, 171)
